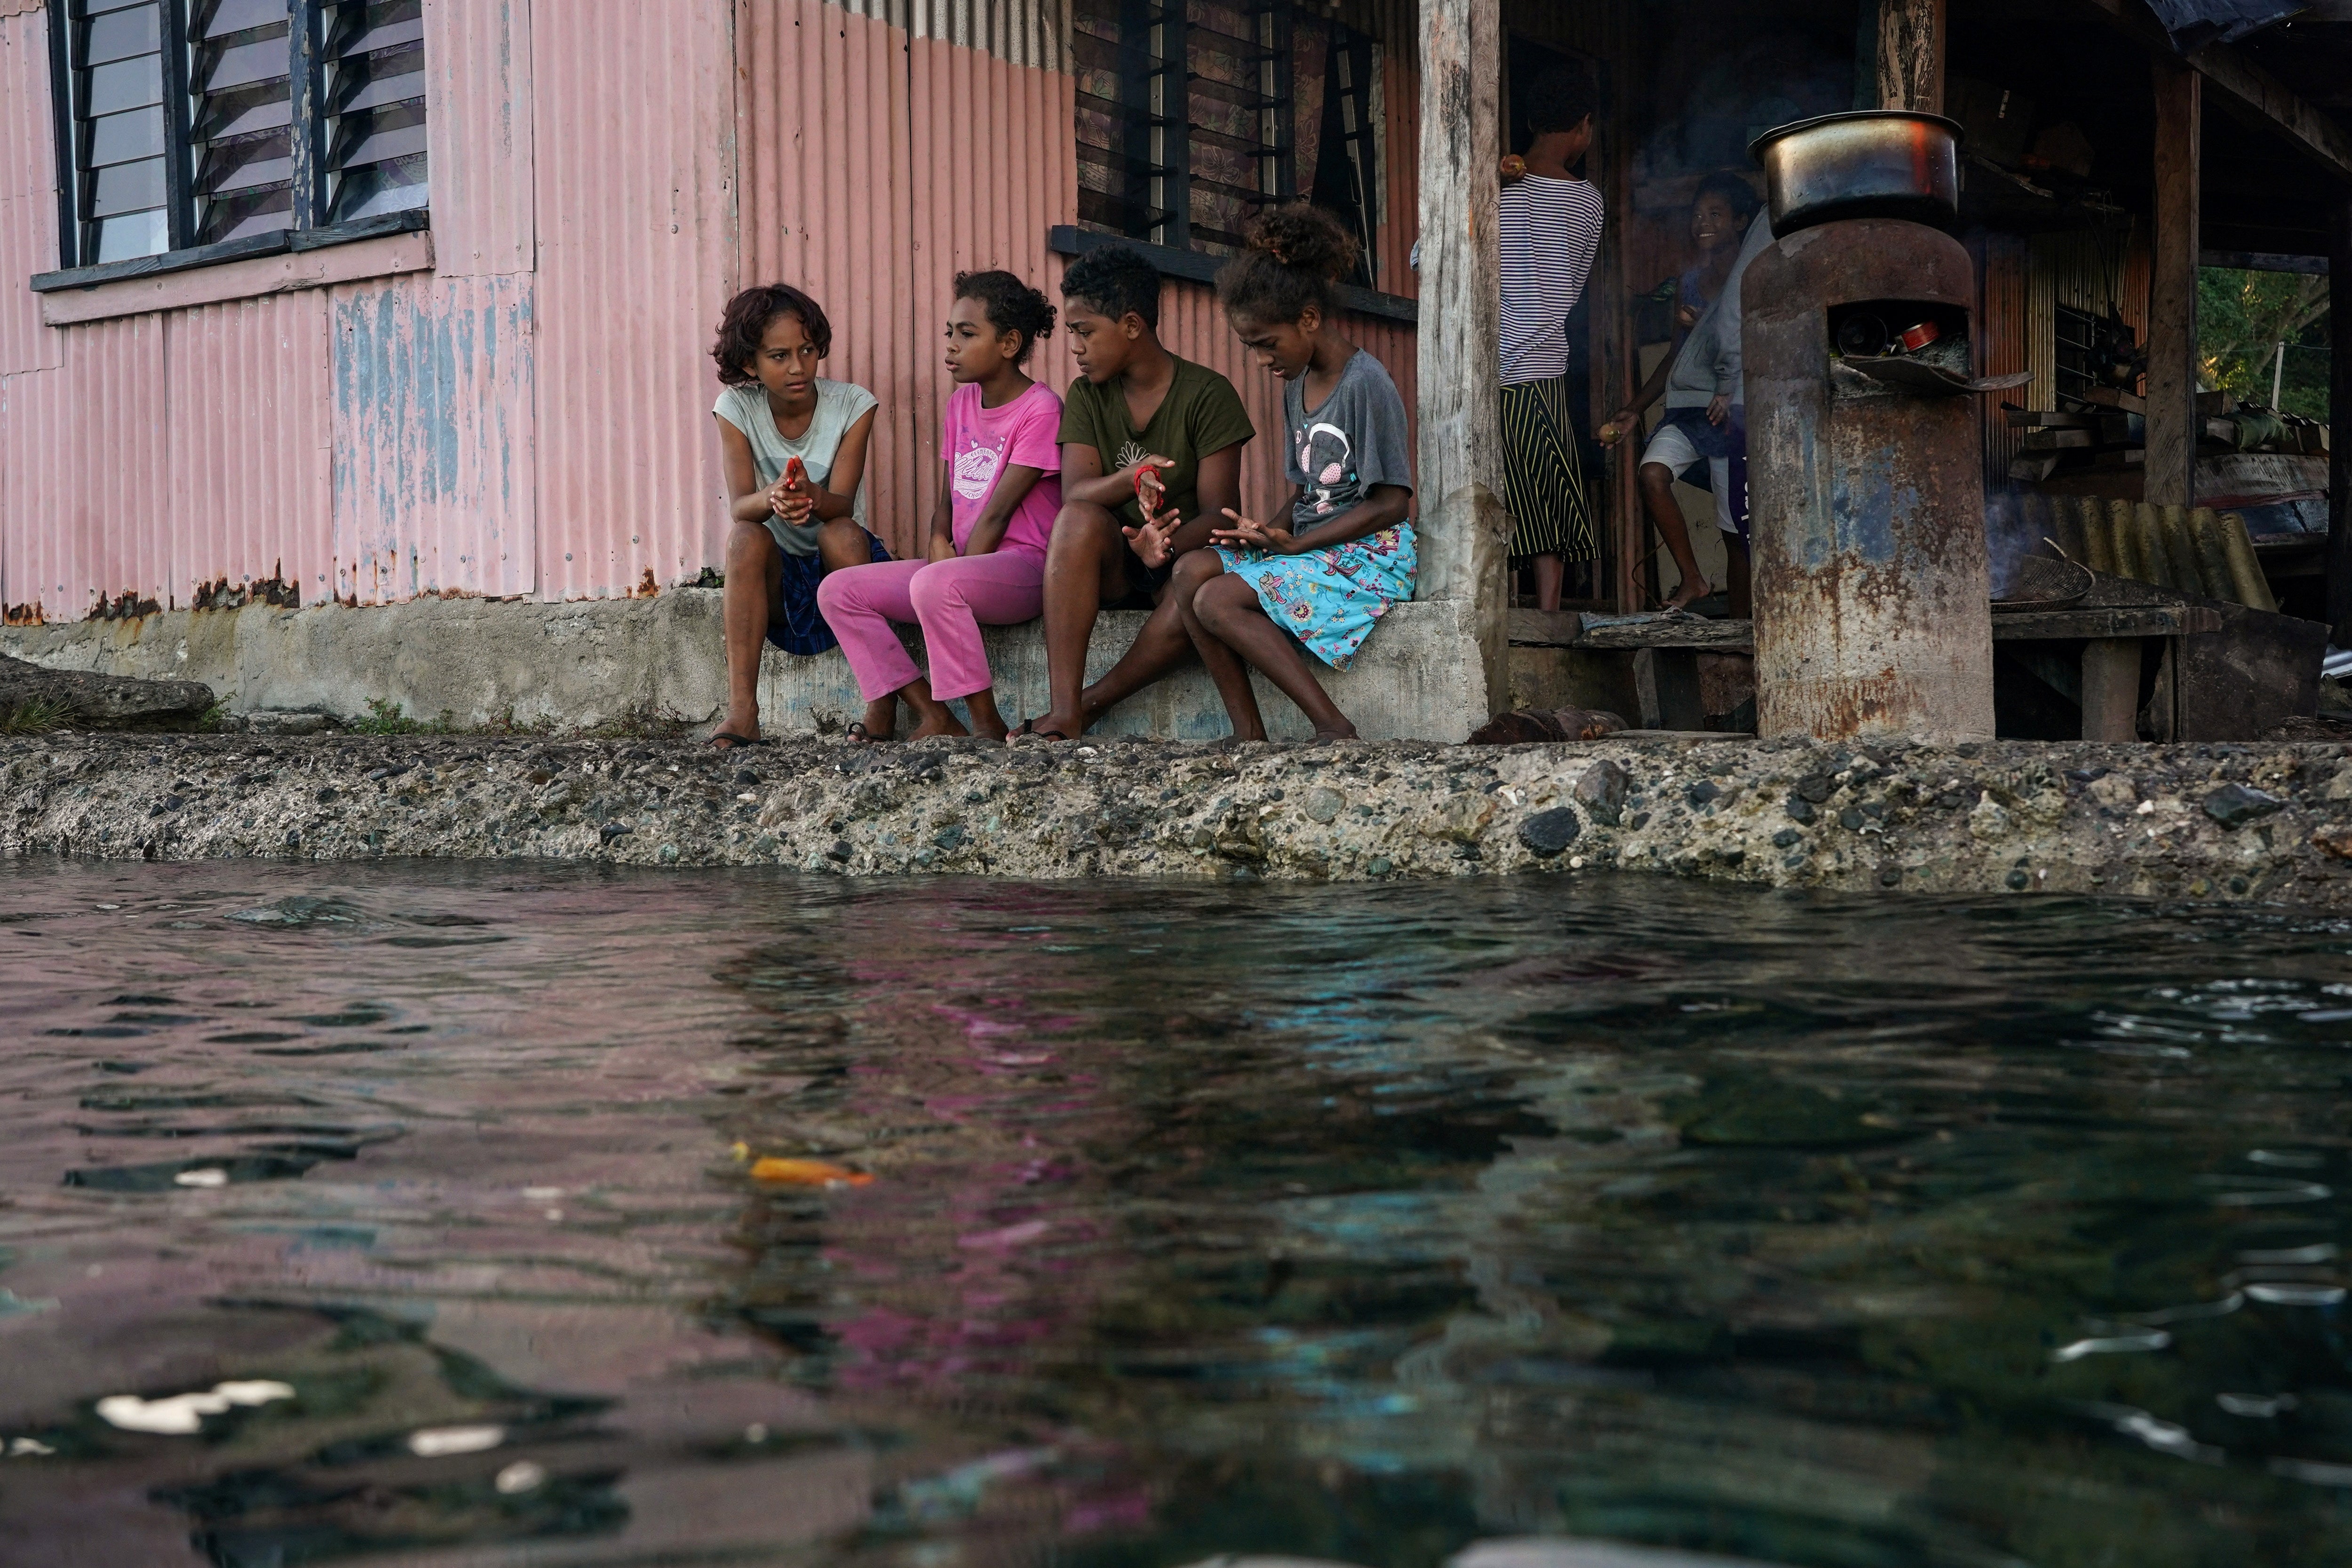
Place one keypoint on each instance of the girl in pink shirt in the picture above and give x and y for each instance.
(986, 559)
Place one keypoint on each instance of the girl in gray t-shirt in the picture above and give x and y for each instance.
(1346, 553)
(795, 445)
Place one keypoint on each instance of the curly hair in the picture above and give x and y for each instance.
(1114, 281)
(746, 322)
(1295, 252)
(1012, 307)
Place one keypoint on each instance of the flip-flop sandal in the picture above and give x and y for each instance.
(1029, 732)
(862, 736)
(727, 741)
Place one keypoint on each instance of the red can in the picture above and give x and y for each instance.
(1919, 337)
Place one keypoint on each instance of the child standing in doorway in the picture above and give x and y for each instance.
(794, 447)
(1345, 551)
(985, 561)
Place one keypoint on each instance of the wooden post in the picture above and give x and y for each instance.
(2172, 423)
(1909, 44)
(2111, 689)
(2339, 421)
(1465, 533)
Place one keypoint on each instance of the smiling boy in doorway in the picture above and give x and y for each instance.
(1136, 413)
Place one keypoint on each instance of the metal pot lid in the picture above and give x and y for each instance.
(1756, 148)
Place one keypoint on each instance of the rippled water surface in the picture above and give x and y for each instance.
(407, 1214)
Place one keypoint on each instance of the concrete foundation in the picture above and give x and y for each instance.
(486, 663)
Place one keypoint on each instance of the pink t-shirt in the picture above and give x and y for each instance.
(982, 442)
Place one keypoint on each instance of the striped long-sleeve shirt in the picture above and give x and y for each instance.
(1549, 233)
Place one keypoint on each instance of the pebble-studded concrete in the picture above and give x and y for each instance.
(2269, 822)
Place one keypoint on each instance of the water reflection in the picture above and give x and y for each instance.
(1357, 1222)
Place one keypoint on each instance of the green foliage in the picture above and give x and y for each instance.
(41, 716)
(2242, 316)
(390, 719)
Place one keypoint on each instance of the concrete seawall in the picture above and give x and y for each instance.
(2240, 822)
(590, 663)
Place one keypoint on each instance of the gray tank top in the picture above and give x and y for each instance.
(839, 405)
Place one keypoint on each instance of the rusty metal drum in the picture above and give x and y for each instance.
(1866, 489)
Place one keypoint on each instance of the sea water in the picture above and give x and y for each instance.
(412, 1214)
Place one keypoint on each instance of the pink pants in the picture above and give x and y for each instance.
(953, 600)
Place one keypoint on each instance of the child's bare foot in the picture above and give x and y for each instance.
(1344, 732)
(941, 722)
(740, 728)
(1050, 727)
(879, 724)
(1691, 591)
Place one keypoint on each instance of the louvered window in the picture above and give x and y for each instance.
(241, 130)
(1184, 117)
(374, 108)
(120, 191)
(197, 130)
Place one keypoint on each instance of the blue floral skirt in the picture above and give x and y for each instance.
(1328, 599)
(794, 623)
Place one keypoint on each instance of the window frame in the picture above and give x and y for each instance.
(1144, 88)
(307, 137)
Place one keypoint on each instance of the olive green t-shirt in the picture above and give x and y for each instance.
(1202, 414)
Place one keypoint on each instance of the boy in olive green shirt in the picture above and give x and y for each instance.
(1136, 407)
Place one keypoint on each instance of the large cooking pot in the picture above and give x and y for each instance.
(1870, 163)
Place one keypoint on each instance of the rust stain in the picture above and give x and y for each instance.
(22, 614)
(126, 605)
(647, 588)
(220, 593)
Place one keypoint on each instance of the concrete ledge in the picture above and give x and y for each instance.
(2253, 822)
(488, 663)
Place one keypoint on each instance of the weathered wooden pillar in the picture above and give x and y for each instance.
(2339, 421)
(1465, 534)
(2172, 423)
(1910, 55)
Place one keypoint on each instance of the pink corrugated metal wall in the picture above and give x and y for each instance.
(88, 516)
(436, 477)
(28, 191)
(533, 417)
(635, 203)
(246, 388)
(435, 435)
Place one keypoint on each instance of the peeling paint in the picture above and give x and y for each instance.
(435, 462)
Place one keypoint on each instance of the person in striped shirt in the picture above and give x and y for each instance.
(1549, 232)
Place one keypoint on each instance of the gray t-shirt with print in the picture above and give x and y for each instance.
(1356, 440)
(839, 406)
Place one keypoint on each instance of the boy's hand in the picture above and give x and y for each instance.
(1150, 490)
(1719, 409)
(1248, 534)
(1153, 543)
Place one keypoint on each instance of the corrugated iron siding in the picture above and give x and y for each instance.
(435, 438)
(2005, 325)
(251, 433)
(1019, 31)
(89, 510)
(636, 213)
(481, 113)
(29, 191)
